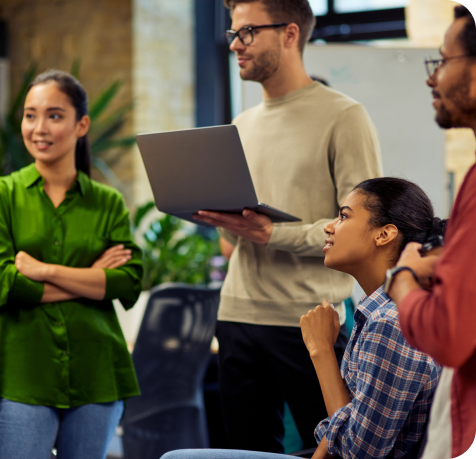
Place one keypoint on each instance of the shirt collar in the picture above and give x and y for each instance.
(368, 304)
(31, 176)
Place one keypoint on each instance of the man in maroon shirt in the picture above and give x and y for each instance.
(441, 321)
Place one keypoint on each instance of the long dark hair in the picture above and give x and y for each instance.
(399, 202)
(76, 93)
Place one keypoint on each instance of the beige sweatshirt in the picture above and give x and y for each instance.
(305, 151)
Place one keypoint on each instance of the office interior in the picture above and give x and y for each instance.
(171, 60)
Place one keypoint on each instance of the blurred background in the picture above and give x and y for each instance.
(159, 65)
(170, 60)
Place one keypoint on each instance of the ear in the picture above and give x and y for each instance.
(385, 235)
(291, 35)
(82, 126)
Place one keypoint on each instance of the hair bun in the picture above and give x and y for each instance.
(438, 227)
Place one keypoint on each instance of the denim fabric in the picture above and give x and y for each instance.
(221, 454)
(31, 431)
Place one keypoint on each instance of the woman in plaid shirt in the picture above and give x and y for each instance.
(379, 402)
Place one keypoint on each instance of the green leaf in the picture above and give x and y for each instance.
(100, 104)
(141, 212)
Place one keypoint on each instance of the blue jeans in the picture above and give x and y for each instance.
(222, 454)
(32, 431)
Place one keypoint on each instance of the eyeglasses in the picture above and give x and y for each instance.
(245, 34)
(432, 65)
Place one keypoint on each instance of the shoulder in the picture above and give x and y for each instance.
(329, 95)
(383, 330)
(9, 182)
(104, 195)
(249, 114)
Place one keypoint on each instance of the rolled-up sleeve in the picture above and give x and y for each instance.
(390, 377)
(123, 283)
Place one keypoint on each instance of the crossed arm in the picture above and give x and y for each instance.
(63, 283)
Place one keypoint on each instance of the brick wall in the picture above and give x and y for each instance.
(56, 32)
(163, 72)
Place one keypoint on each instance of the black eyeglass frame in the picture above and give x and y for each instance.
(437, 63)
(230, 35)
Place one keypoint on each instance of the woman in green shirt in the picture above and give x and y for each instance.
(66, 251)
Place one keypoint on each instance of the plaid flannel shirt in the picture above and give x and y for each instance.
(391, 386)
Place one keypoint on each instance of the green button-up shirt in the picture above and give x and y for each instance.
(66, 353)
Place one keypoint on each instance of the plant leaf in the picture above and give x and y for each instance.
(100, 104)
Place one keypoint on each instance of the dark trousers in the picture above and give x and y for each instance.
(260, 367)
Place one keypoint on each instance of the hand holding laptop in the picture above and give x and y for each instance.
(250, 225)
(206, 168)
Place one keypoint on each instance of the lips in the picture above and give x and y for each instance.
(328, 245)
(42, 144)
(242, 59)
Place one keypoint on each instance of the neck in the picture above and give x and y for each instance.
(288, 78)
(60, 174)
(371, 276)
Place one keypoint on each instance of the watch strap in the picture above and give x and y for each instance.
(391, 273)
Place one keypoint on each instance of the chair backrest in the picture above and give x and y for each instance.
(173, 348)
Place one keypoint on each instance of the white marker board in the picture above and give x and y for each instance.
(390, 83)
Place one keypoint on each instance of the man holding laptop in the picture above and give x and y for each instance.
(306, 146)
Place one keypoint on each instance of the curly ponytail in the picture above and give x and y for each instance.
(399, 202)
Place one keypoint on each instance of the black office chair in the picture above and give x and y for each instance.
(171, 355)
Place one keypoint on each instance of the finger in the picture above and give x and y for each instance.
(257, 219)
(117, 253)
(118, 263)
(413, 247)
(325, 303)
(249, 214)
(116, 259)
(222, 217)
(115, 248)
(219, 223)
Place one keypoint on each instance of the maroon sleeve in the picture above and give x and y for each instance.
(442, 322)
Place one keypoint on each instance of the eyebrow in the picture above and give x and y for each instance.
(344, 207)
(48, 109)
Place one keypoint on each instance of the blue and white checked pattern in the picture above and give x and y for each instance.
(391, 386)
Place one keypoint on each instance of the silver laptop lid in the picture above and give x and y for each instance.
(193, 169)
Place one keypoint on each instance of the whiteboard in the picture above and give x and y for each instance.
(390, 83)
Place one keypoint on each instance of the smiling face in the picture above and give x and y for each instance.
(260, 60)
(351, 242)
(50, 129)
(454, 83)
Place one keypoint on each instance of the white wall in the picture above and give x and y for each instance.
(390, 83)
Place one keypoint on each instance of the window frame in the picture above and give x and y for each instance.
(359, 25)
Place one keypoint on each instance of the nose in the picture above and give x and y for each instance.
(431, 80)
(236, 45)
(330, 227)
(40, 125)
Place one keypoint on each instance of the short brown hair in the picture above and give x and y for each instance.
(297, 11)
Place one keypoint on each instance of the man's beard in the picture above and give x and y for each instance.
(459, 94)
(263, 66)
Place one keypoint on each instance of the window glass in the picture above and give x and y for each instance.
(319, 7)
(350, 6)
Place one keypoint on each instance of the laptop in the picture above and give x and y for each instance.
(201, 169)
